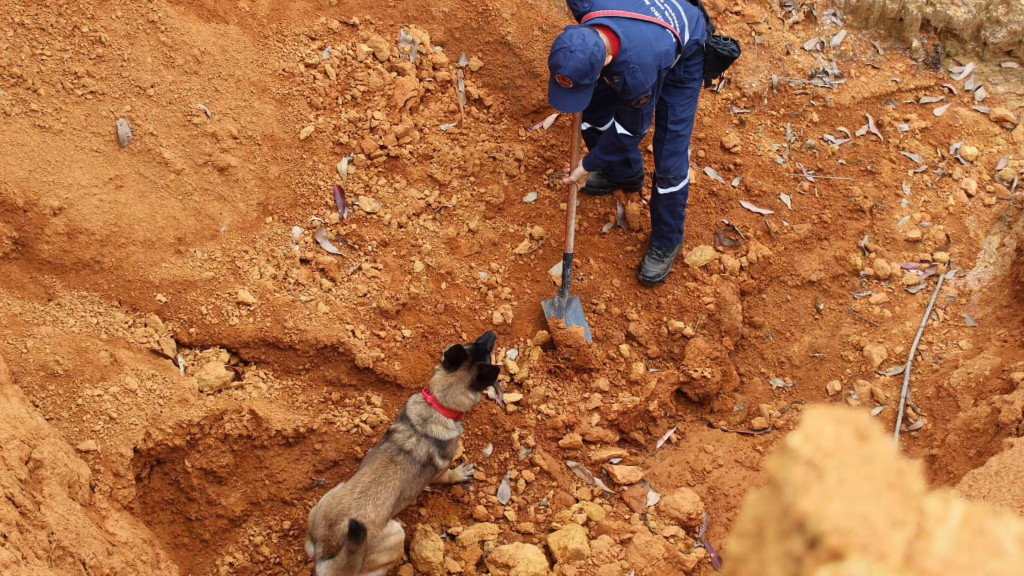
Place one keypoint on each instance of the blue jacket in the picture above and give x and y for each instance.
(648, 50)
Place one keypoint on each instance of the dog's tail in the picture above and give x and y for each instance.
(353, 548)
(341, 553)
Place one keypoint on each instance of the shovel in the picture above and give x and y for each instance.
(563, 306)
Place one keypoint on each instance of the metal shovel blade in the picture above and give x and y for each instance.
(568, 309)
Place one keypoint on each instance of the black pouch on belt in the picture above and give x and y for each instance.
(719, 51)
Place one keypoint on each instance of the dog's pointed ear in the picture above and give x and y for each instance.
(453, 357)
(486, 375)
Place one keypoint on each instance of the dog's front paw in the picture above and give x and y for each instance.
(463, 473)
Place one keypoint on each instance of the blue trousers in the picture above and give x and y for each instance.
(675, 99)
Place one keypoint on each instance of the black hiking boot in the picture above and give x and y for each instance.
(599, 185)
(657, 265)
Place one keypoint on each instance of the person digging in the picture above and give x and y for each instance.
(631, 63)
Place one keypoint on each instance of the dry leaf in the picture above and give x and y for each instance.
(915, 157)
(463, 60)
(964, 73)
(1002, 164)
(787, 200)
(607, 227)
(620, 216)
(461, 89)
(665, 438)
(504, 489)
(530, 197)
(713, 174)
(544, 124)
(980, 94)
(652, 498)
(873, 128)
(1013, 65)
(894, 370)
(737, 181)
(321, 239)
(488, 450)
(877, 410)
(941, 109)
(812, 44)
(339, 201)
(930, 99)
(447, 127)
(838, 39)
(755, 209)
(970, 321)
(343, 168)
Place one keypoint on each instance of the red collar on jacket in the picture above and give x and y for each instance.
(613, 39)
(443, 411)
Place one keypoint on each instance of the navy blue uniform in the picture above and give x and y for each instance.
(655, 78)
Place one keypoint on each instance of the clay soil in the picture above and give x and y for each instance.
(166, 309)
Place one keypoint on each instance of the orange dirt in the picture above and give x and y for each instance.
(118, 261)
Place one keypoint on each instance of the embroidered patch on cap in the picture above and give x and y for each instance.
(563, 81)
(642, 101)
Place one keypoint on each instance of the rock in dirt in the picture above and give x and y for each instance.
(517, 559)
(607, 453)
(837, 493)
(426, 551)
(1018, 134)
(624, 475)
(380, 47)
(124, 132)
(682, 506)
(707, 373)
(571, 441)
(570, 544)
(1001, 115)
(468, 543)
(214, 377)
(700, 256)
(875, 354)
(731, 143)
(245, 297)
(635, 498)
(370, 205)
(407, 92)
(652, 555)
(833, 387)
(307, 132)
(969, 153)
(88, 446)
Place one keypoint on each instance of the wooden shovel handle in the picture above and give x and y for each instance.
(574, 152)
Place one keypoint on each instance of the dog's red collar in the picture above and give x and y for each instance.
(446, 412)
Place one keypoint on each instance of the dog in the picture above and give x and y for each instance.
(351, 530)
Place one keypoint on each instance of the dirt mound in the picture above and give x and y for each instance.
(839, 499)
(994, 25)
(51, 521)
(998, 482)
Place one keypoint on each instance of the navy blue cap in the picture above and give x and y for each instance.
(576, 59)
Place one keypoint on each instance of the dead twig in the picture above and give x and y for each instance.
(855, 313)
(910, 360)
